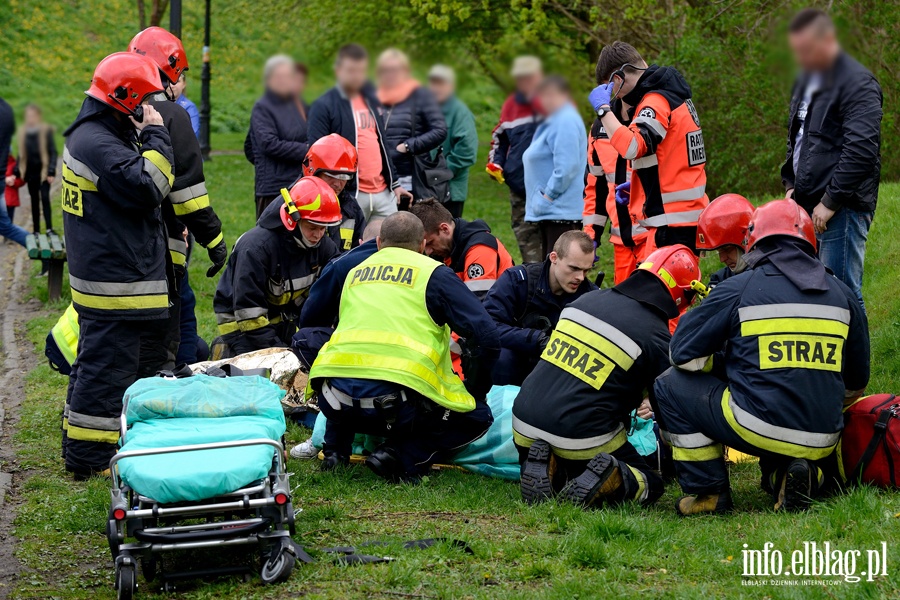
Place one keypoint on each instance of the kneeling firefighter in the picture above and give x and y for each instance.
(724, 226)
(570, 418)
(386, 370)
(791, 338)
(271, 269)
(334, 160)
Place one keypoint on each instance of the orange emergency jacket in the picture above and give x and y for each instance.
(478, 257)
(664, 144)
(606, 170)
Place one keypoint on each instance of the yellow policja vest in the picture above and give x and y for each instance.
(65, 334)
(385, 332)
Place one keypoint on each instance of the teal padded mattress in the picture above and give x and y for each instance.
(198, 410)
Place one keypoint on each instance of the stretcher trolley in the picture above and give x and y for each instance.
(201, 466)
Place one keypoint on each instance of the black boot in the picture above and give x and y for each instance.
(536, 483)
(332, 460)
(385, 463)
(602, 480)
(799, 485)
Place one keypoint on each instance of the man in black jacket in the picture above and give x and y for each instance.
(351, 110)
(834, 145)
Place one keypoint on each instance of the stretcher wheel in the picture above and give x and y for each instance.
(277, 568)
(126, 582)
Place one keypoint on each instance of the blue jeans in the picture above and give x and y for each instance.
(7, 229)
(842, 248)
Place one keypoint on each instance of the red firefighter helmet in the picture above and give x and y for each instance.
(724, 222)
(310, 199)
(781, 217)
(122, 80)
(676, 266)
(163, 48)
(332, 155)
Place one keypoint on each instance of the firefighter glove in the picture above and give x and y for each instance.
(218, 254)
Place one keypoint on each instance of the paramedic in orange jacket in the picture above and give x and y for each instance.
(663, 142)
(606, 169)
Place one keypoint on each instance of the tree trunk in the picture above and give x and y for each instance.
(158, 12)
(142, 15)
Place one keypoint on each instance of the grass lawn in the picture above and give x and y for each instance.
(550, 551)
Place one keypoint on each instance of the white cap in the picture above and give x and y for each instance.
(442, 73)
(526, 65)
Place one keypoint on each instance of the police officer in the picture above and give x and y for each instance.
(334, 160)
(187, 204)
(117, 169)
(569, 419)
(467, 247)
(271, 269)
(391, 376)
(790, 338)
(526, 301)
(606, 170)
(663, 142)
(723, 226)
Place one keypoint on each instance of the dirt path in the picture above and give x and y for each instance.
(18, 359)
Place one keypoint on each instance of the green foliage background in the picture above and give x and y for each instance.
(732, 52)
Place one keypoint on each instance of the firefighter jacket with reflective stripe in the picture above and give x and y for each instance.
(788, 356)
(664, 143)
(606, 170)
(187, 204)
(605, 353)
(404, 346)
(65, 334)
(266, 281)
(113, 183)
(349, 232)
(523, 304)
(478, 257)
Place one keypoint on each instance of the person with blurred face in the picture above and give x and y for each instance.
(527, 300)
(278, 137)
(833, 162)
(352, 110)
(509, 140)
(460, 147)
(37, 165)
(178, 88)
(555, 165)
(414, 123)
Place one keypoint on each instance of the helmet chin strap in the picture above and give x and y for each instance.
(741, 265)
(301, 240)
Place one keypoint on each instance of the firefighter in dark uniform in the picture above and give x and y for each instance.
(526, 301)
(271, 269)
(723, 227)
(570, 418)
(794, 339)
(334, 160)
(386, 370)
(117, 169)
(187, 204)
(467, 247)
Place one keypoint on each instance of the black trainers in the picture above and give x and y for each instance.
(332, 460)
(602, 479)
(704, 504)
(799, 485)
(536, 483)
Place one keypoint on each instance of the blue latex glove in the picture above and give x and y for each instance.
(596, 255)
(601, 95)
(623, 193)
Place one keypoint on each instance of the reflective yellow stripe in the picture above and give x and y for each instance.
(597, 341)
(580, 454)
(161, 163)
(698, 454)
(774, 445)
(251, 324)
(91, 435)
(794, 325)
(120, 302)
(799, 351)
(81, 183)
(387, 339)
(352, 362)
(178, 258)
(226, 328)
(186, 208)
(578, 360)
(641, 493)
(215, 241)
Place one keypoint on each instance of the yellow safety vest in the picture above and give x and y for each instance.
(65, 334)
(386, 333)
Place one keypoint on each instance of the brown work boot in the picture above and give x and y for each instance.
(705, 504)
(536, 483)
(799, 485)
(601, 480)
